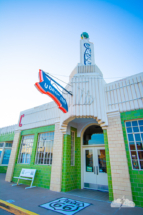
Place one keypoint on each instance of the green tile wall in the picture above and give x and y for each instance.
(3, 138)
(3, 169)
(136, 176)
(108, 165)
(43, 172)
(71, 175)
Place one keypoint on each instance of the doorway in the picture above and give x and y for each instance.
(95, 173)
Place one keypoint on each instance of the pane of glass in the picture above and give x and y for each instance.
(140, 153)
(135, 164)
(89, 160)
(8, 145)
(45, 145)
(128, 124)
(135, 129)
(96, 139)
(140, 122)
(1, 144)
(0, 152)
(129, 130)
(23, 158)
(130, 137)
(27, 159)
(132, 145)
(6, 156)
(142, 136)
(141, 164)
(102, 160)
(41, 156)
(137, 137)
(134, 123)
(133, 155)
(26, 149)
(141, 128)
(139, 145)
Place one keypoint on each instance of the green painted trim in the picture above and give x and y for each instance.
(136, 176)
(71, 175)
(7, 137)
(43, 172)
(3, 169)
(38, 130)
(110, 187)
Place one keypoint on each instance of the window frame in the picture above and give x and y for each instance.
(136, 150)
(3, 150)
(19, 153)
(37, 158)
(73, 150)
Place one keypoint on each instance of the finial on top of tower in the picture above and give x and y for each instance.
(84, 35)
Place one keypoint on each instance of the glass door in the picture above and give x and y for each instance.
(101, 169)
(95, 172)
(89, 168)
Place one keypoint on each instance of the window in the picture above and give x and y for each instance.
(26, 149)
(72, 148)
(135, 139)
(44, 153)
(93, 135)
(5, 151)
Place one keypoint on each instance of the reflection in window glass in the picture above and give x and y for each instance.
(93, 135)
(140, 122)
(134, 123)
(135, 164)
(135, 129)
(128, 124)
(96, 139)
(0, 153)
(8, 144)
(102, 160)
(44, 153)
(141, 164)
(89, 160)
(129, 130)
(6, 156)
(132, 145)
(5, 151)
(135, 139)
(26, 149)
(133, 155)
(140, 155)
(1, 145)
(130, 137)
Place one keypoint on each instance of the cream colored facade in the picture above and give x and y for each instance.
(119, 167)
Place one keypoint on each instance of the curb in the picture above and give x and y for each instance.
(14, 209)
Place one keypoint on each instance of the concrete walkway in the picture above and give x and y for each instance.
(30, 199)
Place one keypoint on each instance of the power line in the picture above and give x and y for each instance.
(97, 78)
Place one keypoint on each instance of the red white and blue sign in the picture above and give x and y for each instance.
(45, 86)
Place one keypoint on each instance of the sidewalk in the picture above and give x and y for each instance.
(30, 199)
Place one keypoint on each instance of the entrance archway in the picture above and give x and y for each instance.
(93, 159)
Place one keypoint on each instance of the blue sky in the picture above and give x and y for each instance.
(46, 34)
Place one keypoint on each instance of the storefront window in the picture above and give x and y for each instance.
(26, 149)
(5, 151)
(44, 153)
(135, 139)
(93, 135)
